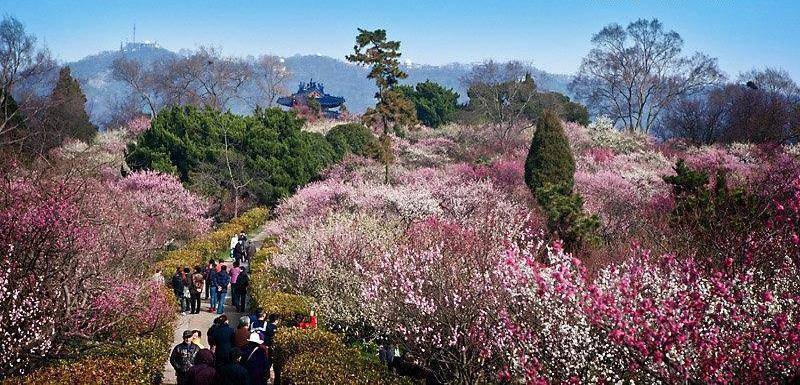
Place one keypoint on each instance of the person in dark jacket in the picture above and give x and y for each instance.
(269, 336)
(210, 332)
(240, 294)
(250, 251)
(223, 340)
(183, 356)
(256, 359)
(206, 271)
(203, 371)
(178, 284)
(238, 252)
(195, 289)
(211, 278)
(270, 329)
(222, 281)
(234, 373)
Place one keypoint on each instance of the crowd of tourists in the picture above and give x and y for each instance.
(213, 281)
(235, 356)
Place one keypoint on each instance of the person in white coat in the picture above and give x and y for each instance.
(234, 241)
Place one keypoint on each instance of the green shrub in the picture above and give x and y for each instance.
(291, 341)
(339, 367)
(104, 370)
(565, 217)
(435, 104)
(353, 138)
(550, 160)
(287, 306)
(712, 220)
(267, 148)
(310, 355)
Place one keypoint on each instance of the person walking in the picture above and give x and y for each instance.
(212, 280)
(250, 251)
(206, 271)
(234, 273)
(240, 298)
(222, 281)
(242, 332)
(234, 242)
(269, 337)
(195, 290)
(234, 373)
(210, 333)
(203, 371)
(183, 356)
(186, 278)
(256, 359)
(177, 288)
(223, 340)
(238, 252)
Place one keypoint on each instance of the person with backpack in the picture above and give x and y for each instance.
(240, 294)
(196, 288)
(182, 357)
(221, 283)
(256, 359)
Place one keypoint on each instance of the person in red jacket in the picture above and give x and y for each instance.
(310, 324)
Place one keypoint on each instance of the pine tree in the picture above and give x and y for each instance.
(66, 114)
(381, 55)
(550, 160)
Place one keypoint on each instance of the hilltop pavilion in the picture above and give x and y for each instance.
(316, 91)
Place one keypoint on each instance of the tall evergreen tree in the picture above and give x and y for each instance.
(550, 173)
(393, 108)
(550, 160)
(66, 113)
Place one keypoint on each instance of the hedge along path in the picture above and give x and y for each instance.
(313, 355)
(197, 253)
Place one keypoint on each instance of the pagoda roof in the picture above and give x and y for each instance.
(314, 90)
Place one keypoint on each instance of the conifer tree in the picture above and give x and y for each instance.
(66, 113)
(550, 160)
(393, 108)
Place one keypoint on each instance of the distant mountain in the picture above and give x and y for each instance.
(339, 77)
(94, 73)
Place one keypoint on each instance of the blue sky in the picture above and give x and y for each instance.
(553, 35)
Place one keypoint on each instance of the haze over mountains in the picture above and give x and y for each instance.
(339, 77)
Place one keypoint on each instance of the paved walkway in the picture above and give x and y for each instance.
(202, 322)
